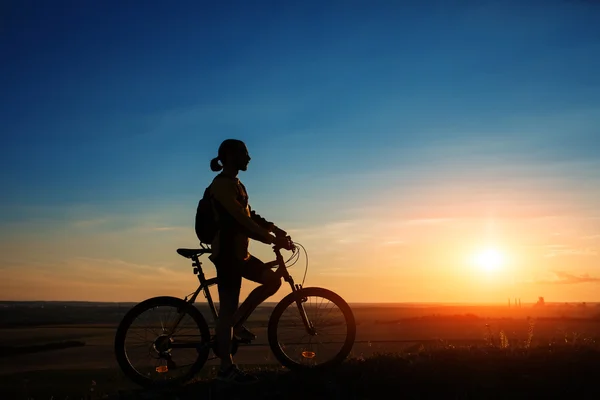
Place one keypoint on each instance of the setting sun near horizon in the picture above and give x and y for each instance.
(489, 259)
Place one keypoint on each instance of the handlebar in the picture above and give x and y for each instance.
(288, 246)
(276, 248)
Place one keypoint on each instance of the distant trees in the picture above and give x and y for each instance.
(540, 302)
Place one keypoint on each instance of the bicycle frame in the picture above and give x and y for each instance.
(205, 285)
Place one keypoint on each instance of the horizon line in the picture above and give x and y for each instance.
(349, 302)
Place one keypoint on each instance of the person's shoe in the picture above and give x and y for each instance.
(235, 376)
(243, 334)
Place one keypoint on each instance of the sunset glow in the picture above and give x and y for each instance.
(419, 153)
(489, 260)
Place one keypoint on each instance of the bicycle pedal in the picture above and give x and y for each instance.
(243, 341)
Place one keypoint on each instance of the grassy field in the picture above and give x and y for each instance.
(462, 351)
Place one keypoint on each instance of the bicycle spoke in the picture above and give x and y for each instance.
(147, 328)
(146, 343)
(320, 319)
(305, 348)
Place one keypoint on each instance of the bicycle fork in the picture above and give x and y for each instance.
(308, 325)
(310, 329)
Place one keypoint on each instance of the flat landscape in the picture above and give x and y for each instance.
(66, 349)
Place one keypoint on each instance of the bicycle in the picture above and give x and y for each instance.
(198, 340)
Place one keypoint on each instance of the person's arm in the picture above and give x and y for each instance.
(260, 220)
(270, 226)
(225, 192)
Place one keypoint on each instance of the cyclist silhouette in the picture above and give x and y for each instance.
(237, 223)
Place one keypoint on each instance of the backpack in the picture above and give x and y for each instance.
(206, 224)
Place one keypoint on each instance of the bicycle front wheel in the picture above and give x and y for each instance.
(321, 340)
(162, 341)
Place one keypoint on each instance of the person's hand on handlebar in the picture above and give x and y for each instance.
(285, 242)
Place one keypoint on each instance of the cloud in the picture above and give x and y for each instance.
(590, 237)
(341, 272)
(164, 228)
(557, 250)
(427, 221)
(86, 223)
(564, 278)
(85, 278)
(344, 231)
(356, 230)
(393, 243)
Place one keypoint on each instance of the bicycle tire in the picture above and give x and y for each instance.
(278, 352)
(121, 353)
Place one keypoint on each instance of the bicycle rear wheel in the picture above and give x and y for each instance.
(329, 338)
(162, 341)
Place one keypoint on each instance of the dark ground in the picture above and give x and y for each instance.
(64, 351)
(566, 372)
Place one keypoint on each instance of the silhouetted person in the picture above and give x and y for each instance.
(237, 224)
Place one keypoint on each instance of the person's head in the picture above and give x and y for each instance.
(232, 154)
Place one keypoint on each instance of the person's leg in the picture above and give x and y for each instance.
(229, 284)
(230, 281)
(256, 271)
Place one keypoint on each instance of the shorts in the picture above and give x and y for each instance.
(231, 270)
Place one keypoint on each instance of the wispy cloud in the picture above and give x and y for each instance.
(164, 228)
(427, 221)
(393, 243)
(565, 278)
(557, 250)
(344, 231)
(341, 272)
(351, 230)
(87, 223)
(85, 278)
(591, 237)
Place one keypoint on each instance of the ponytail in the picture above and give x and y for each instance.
(225, 149)
(215, 165)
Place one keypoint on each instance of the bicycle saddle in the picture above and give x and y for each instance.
(189, 253)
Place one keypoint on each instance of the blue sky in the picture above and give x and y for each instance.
(111, 111)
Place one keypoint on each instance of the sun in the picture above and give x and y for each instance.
(489, 260)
